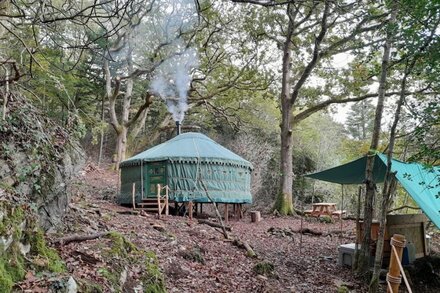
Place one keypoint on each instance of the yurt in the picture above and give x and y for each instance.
(187, 164)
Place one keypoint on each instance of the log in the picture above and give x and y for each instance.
(243, 244)
(249, 250)
(85, 258)
(255, 216)
(308, 231)
(80, 238)
(128, 212)
(215, 225)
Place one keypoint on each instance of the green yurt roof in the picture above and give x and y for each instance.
(189, 147)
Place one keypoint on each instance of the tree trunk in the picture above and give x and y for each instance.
(101, 140)
(284, 200)
(364, 119)
(364, 255)
(389, 185)
(121, 146)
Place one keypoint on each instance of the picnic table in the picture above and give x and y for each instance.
(324, 209)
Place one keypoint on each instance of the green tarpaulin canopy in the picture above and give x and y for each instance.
(421, 183)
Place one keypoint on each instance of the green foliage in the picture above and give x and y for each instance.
(343, 289)
(360, 118)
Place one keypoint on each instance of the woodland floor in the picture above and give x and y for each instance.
(307, 267)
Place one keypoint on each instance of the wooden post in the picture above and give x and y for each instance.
(342, 208)
(226, 213)
(255, 216)
(167, 210)
(301, 227)
(201, 208)
(119, 185)
(393, 276)
(159, 209)
(358, 215)
(190, 210)
(240, 211)
(142, 181)
(133, 194)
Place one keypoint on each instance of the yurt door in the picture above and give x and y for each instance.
(156, 174)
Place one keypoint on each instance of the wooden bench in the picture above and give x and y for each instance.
(339, 213)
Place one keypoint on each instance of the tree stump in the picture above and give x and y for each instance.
(255, 216)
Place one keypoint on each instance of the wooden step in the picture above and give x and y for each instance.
(150, 209)
(152, 200)
(147, 204)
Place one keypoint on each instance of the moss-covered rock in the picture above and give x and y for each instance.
(18, 230)
(152, 278)
(51, 259)
(195, 255)
(264, 268)
(12, 270)
(126, 256)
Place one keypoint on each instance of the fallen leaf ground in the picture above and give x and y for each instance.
(196, 258)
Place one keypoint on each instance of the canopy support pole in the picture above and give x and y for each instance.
(358, 216)
(342, 206)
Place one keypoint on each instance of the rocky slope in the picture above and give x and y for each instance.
(37, 162)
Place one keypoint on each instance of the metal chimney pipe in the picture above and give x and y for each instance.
(178, 129)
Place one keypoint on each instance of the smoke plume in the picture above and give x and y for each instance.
(172, 77)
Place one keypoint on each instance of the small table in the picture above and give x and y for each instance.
(323, 209)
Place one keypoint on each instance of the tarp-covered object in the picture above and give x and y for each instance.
(188, 158)
(422, 183)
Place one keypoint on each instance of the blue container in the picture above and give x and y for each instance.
(409, 254)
